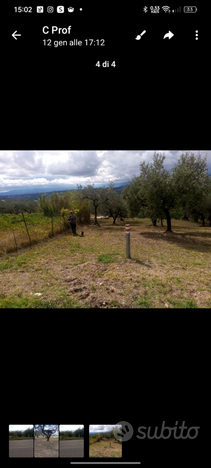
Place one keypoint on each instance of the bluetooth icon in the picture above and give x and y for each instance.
(145, 9)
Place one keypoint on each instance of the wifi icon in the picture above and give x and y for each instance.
(165, 8)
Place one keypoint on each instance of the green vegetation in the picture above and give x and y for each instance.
(26, 223)
(17, 435)
(160, 194)
(72, 435)
(43, 266)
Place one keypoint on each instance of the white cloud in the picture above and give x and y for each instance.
(50, 168)
(102, 428)
(18, 427)
(69, 427)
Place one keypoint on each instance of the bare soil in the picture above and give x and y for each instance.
(43, 448)
(102, 449)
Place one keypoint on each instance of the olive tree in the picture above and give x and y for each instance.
(155, 190)
(114, 206)
(46, 430)
(97, 196)
(194, 184)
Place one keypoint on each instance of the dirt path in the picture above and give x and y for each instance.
(43, 448)
(21, 448)
(71, 448)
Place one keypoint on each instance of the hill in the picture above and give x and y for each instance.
(99, 432)
(18, 195)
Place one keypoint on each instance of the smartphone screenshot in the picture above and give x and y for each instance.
(105, 212)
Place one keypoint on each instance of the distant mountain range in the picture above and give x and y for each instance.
(100, 432)
(32, 194)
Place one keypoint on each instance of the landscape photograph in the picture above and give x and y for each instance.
(136, 225)
(71, 441)
(21, 439)
(103, 443)
(46, 441)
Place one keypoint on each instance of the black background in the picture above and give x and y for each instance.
(59, 99)
(142, 367)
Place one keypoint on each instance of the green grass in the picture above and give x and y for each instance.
(114, 303)
(15, 302)
(186, 304)
(108, 257)
(144, 302)
(105, 258)
(6, 265)
(80, 261)
(21, 438)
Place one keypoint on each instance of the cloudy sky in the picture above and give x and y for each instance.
(65, 169)
(49, 426)
(69, 428)
(17, 427)
(102, 428)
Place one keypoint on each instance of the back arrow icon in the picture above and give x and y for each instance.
(169, 35)
(15, 34)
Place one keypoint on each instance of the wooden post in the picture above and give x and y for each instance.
(127, 234)
(27, 230)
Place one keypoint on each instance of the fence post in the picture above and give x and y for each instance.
(127, 235)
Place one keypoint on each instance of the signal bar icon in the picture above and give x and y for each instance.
(178, 10)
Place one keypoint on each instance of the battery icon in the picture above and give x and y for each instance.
(190, 9)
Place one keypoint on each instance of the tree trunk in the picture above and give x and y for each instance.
(168, 218)
(203, 220)
(161, 221)
(96, 221)
(154, 221)
(96, 214)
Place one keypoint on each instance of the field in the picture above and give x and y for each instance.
(166, 270)
(43, 448)
(72, 448)
(102, 449)
(13, 234)
(21, 448)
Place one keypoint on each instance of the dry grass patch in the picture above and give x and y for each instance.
(165, 270)
(105, 449)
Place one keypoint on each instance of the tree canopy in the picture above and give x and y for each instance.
(161, 193)
(46, 430)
